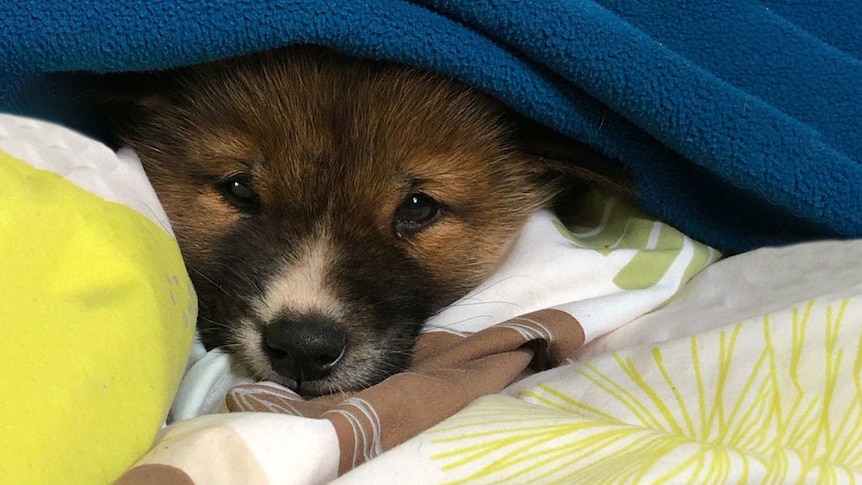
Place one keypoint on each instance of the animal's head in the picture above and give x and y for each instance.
(327, 206)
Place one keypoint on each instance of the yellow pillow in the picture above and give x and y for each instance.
(97, 315)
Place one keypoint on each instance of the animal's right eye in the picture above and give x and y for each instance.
(239, 192)
(415, 213)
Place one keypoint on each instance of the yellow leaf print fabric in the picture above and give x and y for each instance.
(607, 224)
(752, 373)
(682, 414)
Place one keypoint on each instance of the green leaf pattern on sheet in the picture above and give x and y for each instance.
(771, 400)
(607, 224)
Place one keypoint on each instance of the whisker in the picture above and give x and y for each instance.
(448, 325)
(459, 304)
(243, 277)
(202, 275)
(438, 379)
(216, 322)
(503, 280)
(167, 228)
(231, 346)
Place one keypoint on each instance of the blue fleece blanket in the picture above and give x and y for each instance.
(741, 120)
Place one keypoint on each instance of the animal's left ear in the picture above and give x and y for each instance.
(556, 156)
(123, 102)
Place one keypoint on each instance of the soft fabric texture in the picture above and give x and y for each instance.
(96, 307)
(739, 119)
(750, 374)
(568, 279)
(729, 393)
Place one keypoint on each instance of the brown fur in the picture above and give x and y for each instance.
(332, 145)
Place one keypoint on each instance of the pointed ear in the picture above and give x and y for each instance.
(123, 100)
(556, 156)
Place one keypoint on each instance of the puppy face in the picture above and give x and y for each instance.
(326, 207)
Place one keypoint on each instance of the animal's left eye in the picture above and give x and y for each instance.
(415, 213)
(238, 191)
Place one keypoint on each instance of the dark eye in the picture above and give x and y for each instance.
(237, 190)
(417, 212)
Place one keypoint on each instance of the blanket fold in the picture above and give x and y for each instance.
(739, 120)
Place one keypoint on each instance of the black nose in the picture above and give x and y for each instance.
(304, 347)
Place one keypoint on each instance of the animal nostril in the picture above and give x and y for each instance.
(304, 347)
(276, 353)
